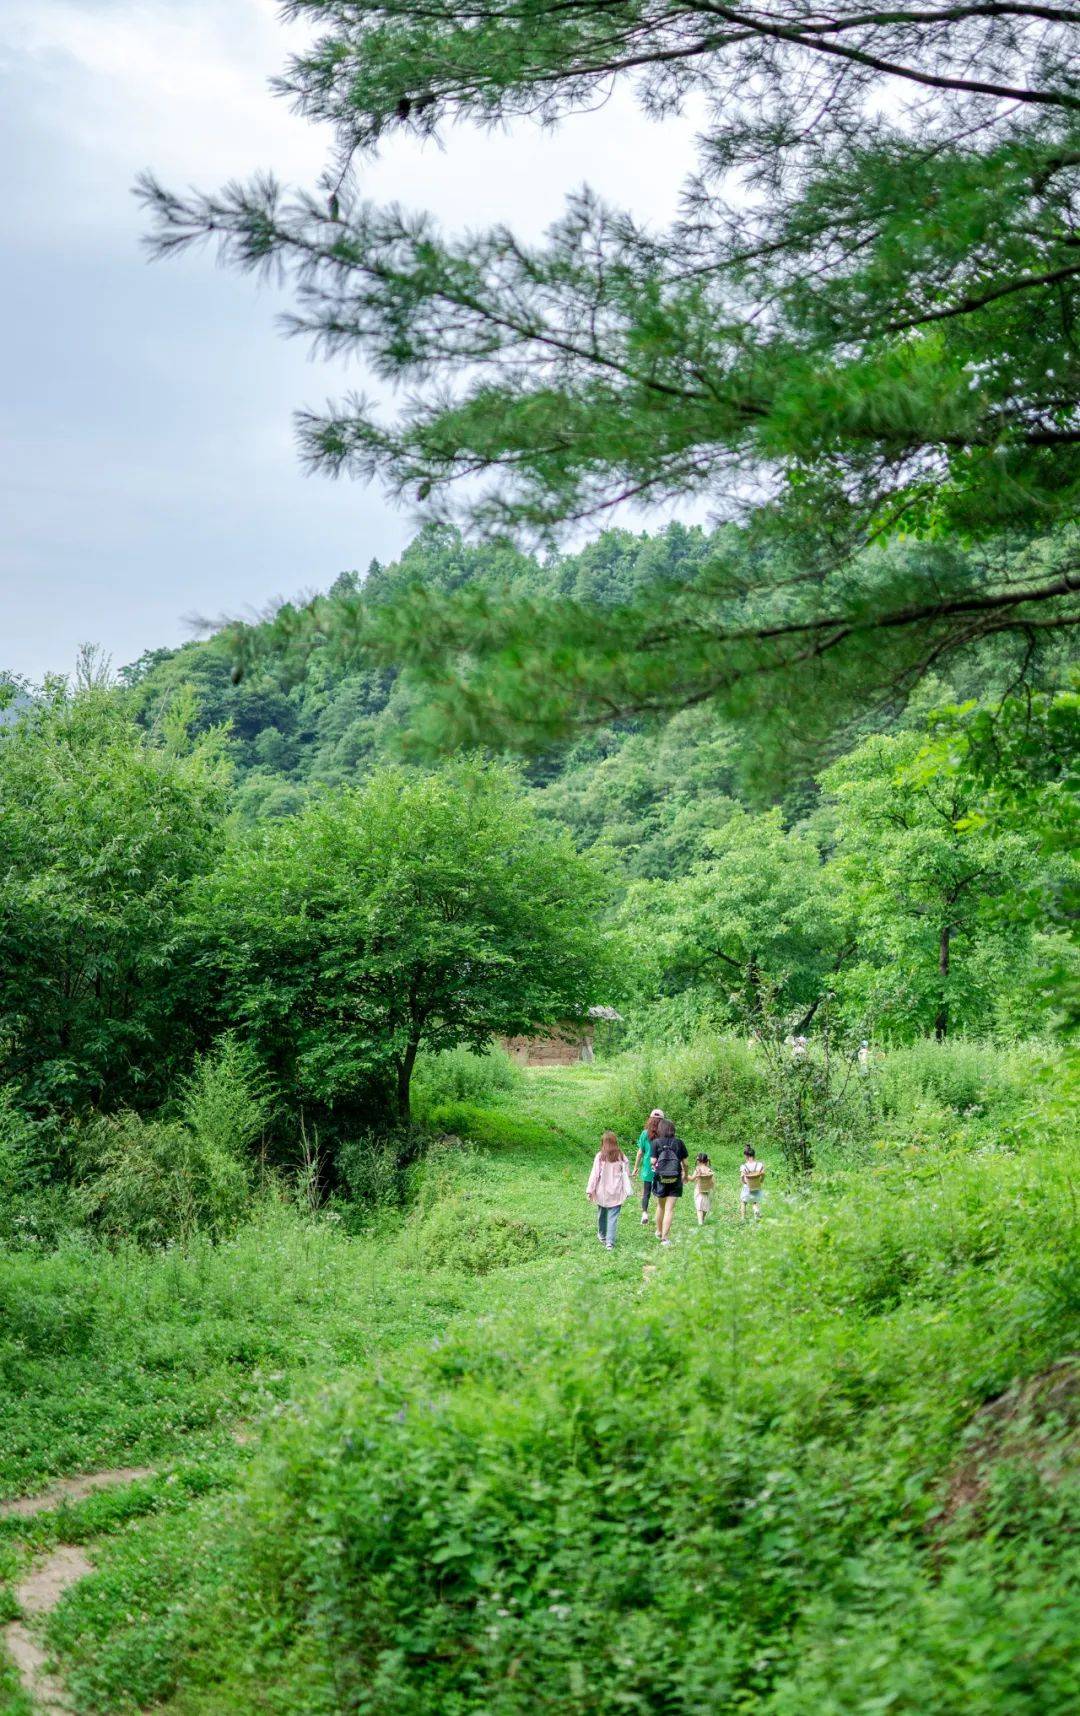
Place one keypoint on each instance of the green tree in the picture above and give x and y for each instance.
(864, 316)
(103, 831)
(760, 916)
(941, 928)
(420, 911)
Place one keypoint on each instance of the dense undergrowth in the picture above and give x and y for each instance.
(822, 1463)
(728, 1489)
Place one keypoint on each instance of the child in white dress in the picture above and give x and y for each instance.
(752, 1176)
(703, 1179)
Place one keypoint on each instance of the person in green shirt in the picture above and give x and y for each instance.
(644, 1159)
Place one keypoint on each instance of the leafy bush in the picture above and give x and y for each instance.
(722, 1092)
(459, 1075)
(34, 1211)
(225, 1102)
(156, 1181)
(159, 1180)
(377, 1170)
(714, 1088)
(462, 1235)
(957, 1073)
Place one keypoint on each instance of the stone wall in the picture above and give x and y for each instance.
(565, 1046)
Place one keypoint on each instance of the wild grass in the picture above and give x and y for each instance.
(459, 1075)
(754, 1457)
(494, 1465)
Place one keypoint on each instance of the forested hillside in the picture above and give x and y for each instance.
(732, 871)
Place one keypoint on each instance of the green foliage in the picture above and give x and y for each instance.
(861, 316)
(760, 911)
(423, 911)
(164, 1180)
(120, 1356)
(822, 1492)
(224, 1102)
(462, 1075)
(20, 1147)
(156, 1181)
(937, 936)
(104, 830)
(463, 1235)
(377, 1172)
(724, 1092)
(492, 1128)
(825, 1372)
(1018, 767)
(964, 1076)
(35, 1210)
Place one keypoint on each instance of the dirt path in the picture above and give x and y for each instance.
(72, 1489)
(39, 1593)
(44, 1585)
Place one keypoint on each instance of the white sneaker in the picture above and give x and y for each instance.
(609, 1245)
(665, 1242)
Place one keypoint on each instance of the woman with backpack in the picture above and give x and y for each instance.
(609, 1187)
(644, 1159)
(669, 1159)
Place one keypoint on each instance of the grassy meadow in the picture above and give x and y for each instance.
(458, 1457)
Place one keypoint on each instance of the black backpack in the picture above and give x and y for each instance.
(667, 1161)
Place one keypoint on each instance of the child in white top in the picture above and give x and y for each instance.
(752, 1175)
(704, 1182)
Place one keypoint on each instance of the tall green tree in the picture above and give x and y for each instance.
(939, 905)
(103, 831)
(761, 915)
(420, 911)
(864, 317)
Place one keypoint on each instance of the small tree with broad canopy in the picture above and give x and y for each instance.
(419, 911)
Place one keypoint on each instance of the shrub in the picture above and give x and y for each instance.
(800, 1520)
(461, 1235)
(34, 1210)
(957, 1073)
(155, 1181)
(377, 1171)
(714, 1087)
(225, 1101)
(459, 1075)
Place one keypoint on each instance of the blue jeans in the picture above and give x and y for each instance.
(607, 1220)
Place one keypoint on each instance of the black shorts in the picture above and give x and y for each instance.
(667, 1189)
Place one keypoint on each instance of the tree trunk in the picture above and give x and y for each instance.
(753, 984)
(941, 1019)
(405, 1065)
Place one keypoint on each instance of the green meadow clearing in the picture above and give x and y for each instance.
(466, 1460)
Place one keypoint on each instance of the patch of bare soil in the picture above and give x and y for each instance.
(72, 1489)
(47, 1580)
(1034, 1424)
(39, 1593)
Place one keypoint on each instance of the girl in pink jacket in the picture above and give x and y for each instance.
(608, 1188)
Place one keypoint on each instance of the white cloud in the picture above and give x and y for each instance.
(146, 460)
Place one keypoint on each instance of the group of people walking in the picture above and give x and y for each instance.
(662, 1163)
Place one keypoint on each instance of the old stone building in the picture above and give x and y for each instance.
(564, 1044)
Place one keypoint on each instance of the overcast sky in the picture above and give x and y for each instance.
(148, 468)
